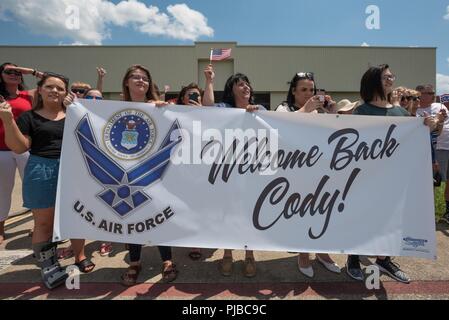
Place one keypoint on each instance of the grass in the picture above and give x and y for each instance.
(440, 203)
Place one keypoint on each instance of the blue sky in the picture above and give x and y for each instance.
(282, 22)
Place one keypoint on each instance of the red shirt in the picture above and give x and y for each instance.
(19, 104)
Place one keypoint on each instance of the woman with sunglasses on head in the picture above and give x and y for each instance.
(40, 130)
(301, 97)
(12, 90)
(138, 86)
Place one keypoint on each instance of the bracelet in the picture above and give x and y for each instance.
(34, 72)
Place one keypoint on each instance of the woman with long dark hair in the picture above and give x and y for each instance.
(138, 86)
(12, 90)
(302, 97)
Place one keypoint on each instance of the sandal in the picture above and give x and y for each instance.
(249, 267)
(195, 254)
(226, 265)
(129, 278)
(169, 272)
(85, 265)
(105, 249)
(65, 253)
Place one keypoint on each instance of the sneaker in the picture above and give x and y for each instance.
(105, 249)
(445, 217)
(392, 269)
(353, 268)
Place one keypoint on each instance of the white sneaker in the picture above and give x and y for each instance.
(331, 266)
(308, 272)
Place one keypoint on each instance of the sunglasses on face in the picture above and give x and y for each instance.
(390, 77)
(12, 72)
(93, 98)
(410, 98)
(79, 90)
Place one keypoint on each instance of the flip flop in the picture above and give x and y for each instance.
(85, 265)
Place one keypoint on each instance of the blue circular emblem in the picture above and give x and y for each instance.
(129, 134)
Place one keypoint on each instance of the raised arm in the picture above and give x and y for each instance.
(208, 98)
(101, 73)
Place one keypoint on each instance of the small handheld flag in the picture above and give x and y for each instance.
(220, 54)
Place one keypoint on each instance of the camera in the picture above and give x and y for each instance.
(321, 93)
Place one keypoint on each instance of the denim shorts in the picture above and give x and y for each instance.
(39, 182)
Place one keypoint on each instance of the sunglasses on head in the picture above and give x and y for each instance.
(93, 98)
(12, 72)
(305, 75)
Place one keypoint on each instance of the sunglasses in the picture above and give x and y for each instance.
(429, 93)
(408, 98)
(12, 72)
(390, 78)
(79, 90)
(305, 75)
(93, 98)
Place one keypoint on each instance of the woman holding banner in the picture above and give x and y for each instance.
(238, 93)
(138, 86)
(301, 97)
(376, 88)
(40, 130)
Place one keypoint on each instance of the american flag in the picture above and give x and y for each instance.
(219, 54)
(444, 98)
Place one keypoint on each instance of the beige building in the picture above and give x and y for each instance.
(338, 70)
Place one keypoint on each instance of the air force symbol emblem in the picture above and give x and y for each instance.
(123, 189)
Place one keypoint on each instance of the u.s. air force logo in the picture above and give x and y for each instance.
(130, 133)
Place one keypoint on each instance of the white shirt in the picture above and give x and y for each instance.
(433, 110)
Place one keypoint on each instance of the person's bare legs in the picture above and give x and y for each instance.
(2, 231)
(304, 260)
(43, 225)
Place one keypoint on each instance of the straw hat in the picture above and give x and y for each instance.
(345, 105)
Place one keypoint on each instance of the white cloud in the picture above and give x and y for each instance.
(58, 19)
(447, 15)
(442, 83)
(365, 44)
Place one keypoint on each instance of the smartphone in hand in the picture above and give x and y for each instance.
(194, 96)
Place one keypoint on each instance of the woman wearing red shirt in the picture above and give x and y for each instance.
(11, 90)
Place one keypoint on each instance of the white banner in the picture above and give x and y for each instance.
(181, 176)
